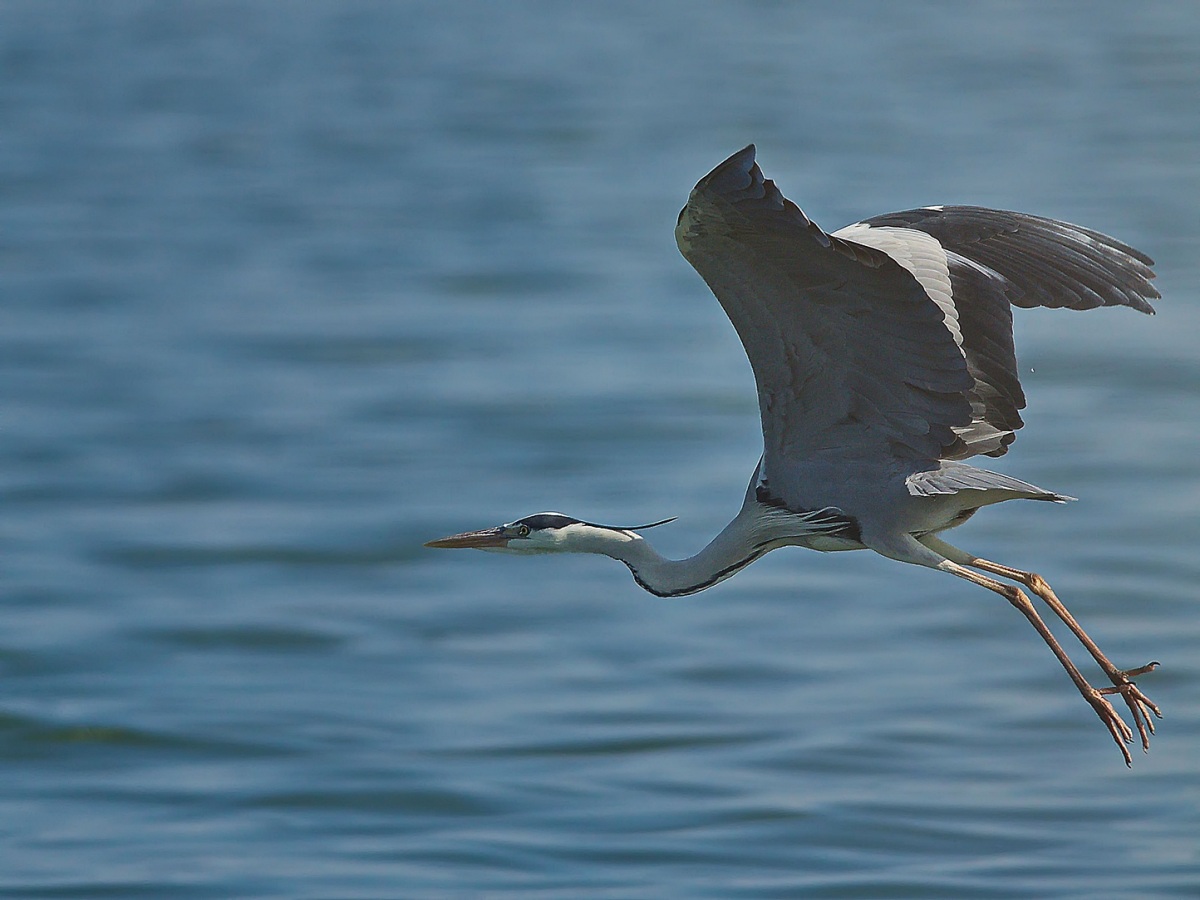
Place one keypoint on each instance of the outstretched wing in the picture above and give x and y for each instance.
(1036, 261)
(980, 263)
(849, 351)
(892, 335)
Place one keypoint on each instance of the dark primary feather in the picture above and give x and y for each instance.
(979, 314)
(848, 347)
(1042, 261)
(985, 320)
(999, 258)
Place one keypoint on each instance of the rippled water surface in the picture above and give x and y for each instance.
(289, 289)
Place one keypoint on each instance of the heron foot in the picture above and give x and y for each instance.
(1140, 706)
(1121, 733)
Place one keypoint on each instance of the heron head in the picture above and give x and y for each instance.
(547, 532)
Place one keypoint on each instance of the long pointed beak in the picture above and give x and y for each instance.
(487, 539)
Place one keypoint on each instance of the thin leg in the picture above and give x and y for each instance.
(1120, 732)
(1140, 706)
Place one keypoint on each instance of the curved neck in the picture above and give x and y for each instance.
(753, 532)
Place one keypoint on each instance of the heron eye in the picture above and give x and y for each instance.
(522, 531)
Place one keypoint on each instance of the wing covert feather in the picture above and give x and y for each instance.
(996, 259)
(849, 352)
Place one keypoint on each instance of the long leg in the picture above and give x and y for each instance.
(1140, 706)
(908, 549)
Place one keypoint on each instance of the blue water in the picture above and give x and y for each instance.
(288, 289)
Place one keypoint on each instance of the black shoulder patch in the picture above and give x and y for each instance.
(838, 524)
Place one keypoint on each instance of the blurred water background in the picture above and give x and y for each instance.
(288, 289)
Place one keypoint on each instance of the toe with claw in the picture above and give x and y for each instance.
(1121, 733)
(1140, 706)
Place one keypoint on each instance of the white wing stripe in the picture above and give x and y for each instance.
(920, 254)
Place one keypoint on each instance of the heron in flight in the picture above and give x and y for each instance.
(883, 357)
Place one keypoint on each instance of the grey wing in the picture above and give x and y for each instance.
(1038, 261)
(850, 353)
(977, 263)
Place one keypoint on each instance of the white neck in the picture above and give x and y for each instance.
(753, 532)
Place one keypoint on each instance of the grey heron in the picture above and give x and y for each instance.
(883, 357)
